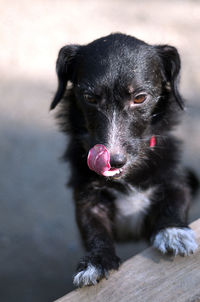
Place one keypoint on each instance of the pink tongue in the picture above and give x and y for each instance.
(99, 159)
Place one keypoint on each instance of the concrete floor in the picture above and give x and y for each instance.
(39, 242)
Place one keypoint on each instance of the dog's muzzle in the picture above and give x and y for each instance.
(99, 161)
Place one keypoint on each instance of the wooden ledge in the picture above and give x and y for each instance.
(148, 276)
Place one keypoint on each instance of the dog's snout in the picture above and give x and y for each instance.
(118, 160)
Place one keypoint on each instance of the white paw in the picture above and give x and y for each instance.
(177, 240)
(88, 276)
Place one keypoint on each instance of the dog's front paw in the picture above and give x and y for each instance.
(88, 276)
(91, 269)
(176, 240)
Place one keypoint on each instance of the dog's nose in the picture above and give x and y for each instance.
(117, 160)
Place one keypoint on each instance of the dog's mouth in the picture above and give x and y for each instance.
(99, 161)
(113, 172)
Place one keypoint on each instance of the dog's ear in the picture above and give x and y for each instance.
(172, 64)
(64, 69)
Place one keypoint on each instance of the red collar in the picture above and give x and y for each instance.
(152, 141)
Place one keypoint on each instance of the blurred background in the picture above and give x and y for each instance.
(39, 241)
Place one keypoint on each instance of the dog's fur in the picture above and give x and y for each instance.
(150, 197)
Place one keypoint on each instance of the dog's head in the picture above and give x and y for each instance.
(126, 94)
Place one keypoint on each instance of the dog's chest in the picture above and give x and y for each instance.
(131, 210)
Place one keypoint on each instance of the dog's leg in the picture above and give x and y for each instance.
(171, 232)
(95, 227)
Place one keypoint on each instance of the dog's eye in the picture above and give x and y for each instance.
(90, 99)
(139, 99)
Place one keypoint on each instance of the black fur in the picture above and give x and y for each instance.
(106, 75)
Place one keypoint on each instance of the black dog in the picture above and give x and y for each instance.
(118, 114)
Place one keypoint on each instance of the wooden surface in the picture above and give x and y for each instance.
(148, 276)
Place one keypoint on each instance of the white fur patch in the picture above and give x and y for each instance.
(89, 276)
(114, 145)
(177, 240)
(131, 210)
